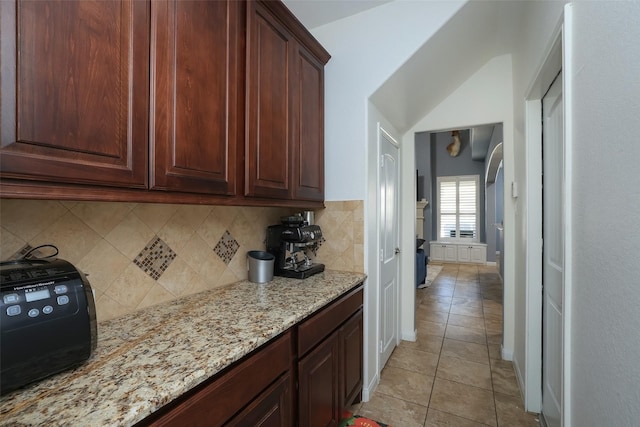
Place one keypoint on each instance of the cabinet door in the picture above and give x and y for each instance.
(464, 253)
(75, 78)
(478, 254)
(271, 409)
(318, 398)
(436, 252)
(196, 50)
(450, 253)
(270, 51)
(351, 346)
(308, 156)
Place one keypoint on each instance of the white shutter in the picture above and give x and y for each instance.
(458, 204)
(467, 208)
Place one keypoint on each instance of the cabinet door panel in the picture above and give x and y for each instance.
(352, 359)
(268, 130)
(76, 109)
(309, 136)
(271, 409)
(196, 53)
(318, 385)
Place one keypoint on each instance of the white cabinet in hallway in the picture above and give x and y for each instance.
(458, 252)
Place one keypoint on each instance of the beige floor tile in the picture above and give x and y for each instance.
(495, 351)
(437, 298)
(465, 350)
(440, 290)
(463, 400)
(493, 325)
(425, 342)
(466, 302)
(467, 311)
(465, 334)
(437, 418)
(411, 359)
(465, 371)
(504, 378)
(435, 306)
(394, 411)
(425, 314)
(494, 337)
(467, 321)
(511, 413)
(406, 385)
(431, 328)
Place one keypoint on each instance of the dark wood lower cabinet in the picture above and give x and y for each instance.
(351, 356)
(319, 385)
(271, 409)
(306, 377)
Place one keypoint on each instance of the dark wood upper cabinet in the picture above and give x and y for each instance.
(169, 101)
(308, 171)
(75, 91)
(196, 51)
(269, 105)
(285, 107)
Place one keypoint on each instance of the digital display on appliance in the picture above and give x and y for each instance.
(37, 295)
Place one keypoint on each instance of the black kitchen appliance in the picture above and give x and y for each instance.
(292, 243)
(47, 320)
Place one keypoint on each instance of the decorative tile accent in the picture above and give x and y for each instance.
(155, 258)
(227, 247)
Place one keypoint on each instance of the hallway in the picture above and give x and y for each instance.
(453, 374)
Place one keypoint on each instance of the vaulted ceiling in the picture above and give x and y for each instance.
(478, 32)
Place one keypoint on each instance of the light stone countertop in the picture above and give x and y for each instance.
(146, 359)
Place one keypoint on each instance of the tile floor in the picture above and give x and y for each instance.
(452, 375)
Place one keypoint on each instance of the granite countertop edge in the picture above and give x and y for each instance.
(148, 358)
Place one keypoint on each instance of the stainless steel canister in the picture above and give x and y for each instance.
(260, 265)
(309, 217)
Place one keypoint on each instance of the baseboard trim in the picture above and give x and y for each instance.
(507, 353)
(493, 263)
(409, 336)
(368, 390)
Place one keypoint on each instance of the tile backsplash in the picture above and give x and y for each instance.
(138, 255)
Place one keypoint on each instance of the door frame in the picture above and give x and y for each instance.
(557, 58)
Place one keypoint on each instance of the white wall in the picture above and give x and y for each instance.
(536, 35)
(365, 50)
(486, 97)
(606, 183)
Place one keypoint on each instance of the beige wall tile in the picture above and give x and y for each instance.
(130, 236)
(102, 217)
(102, 239)
(72, 237)
(9, 243)
(101, 265)
(130, 287)
(155, 215)
(28, 218)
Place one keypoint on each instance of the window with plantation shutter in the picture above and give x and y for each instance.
(458, 205)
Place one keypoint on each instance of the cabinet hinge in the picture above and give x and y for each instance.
(381, 346)
(381, 161)
(381, 255)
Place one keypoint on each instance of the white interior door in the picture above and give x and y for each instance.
(389, 252)
(553, 252)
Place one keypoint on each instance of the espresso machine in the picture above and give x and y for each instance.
(292, 242)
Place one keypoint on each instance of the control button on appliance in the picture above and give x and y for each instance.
(60, 289)
(10, 298)
(33, 312)
(47, 309)
(14, 310)
(63, 299)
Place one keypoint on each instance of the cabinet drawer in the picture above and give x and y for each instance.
(217, 402)
(314, 330)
